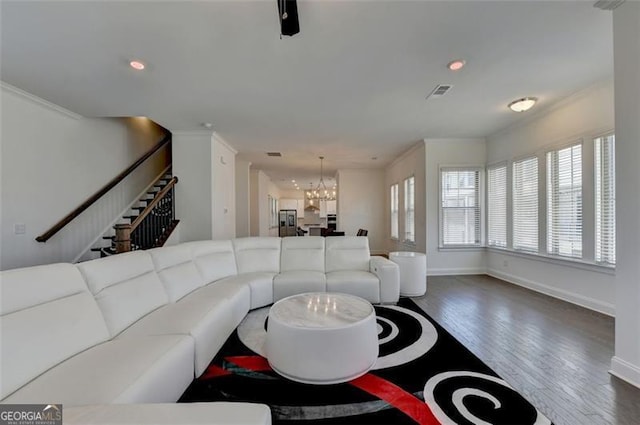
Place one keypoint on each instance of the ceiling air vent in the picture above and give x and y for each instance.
(274, 154)
(440, 90)
(607, 4)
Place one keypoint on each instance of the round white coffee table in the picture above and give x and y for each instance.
(413, 272)
(322, 338)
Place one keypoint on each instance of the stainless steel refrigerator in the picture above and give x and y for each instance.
(288, 223)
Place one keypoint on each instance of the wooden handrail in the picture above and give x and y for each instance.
(124, 231)
(135, 223)
(100, 193)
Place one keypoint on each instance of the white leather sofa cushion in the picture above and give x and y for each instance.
(257, 254)
(145, 370)
(260, 285)
(214, 259)
(347, 253)
(237, 295)
(298, 282)
(177, 271)
(47, 316)
(125, 286)
(219, 413)
(209, 323)
(362, 284)
(302, 254)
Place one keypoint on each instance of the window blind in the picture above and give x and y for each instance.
(564, 202)
(460, 207)
(409, 209)
(497, 206)
(525, 204)
(394, 211)
(605, 199)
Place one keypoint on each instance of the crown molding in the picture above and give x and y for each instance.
(224, 143)
(193, 133)
(547, 110)
(39, 101)
(406, 154)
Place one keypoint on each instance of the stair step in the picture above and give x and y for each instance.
(130, 217)
(96, 249)
(109, 237)
(138, 208)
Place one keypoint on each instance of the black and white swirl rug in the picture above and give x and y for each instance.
(422, 375)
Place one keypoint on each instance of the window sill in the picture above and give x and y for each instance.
(460, 248)
(562, 261)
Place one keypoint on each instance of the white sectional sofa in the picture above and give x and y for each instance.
(137, 328)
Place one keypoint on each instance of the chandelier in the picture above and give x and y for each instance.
(321, 193)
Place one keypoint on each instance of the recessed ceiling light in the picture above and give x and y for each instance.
(137, 65)
(293, 181)
(207, 125)
(456, 65)
(523, 104)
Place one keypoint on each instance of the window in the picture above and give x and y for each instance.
(605, 167)
(497, 206)
(394, 211)
(564, 202)
(409, 210)
(273, 211)
(459, 207)
(525, 204)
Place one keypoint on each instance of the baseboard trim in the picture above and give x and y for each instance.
(581, 300)
(454, 271)
(626, 371)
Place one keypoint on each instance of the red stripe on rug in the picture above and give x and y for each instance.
(407, 403)
(254, 363)
(214, 371)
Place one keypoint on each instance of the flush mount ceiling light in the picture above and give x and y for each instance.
(456, 65)
(523, 104)
(137, 65)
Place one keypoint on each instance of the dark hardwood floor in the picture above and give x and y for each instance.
(555, 353)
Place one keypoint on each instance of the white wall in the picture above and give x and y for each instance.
(192, 153)
(291, 194)
(242, 185)
(52, 161)
(448, 152)
(626, 40)
(223, 206)
(410, 163)
(361, 205)
(579, 117)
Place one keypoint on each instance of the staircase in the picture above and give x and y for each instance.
(147, 225)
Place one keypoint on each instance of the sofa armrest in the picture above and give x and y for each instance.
(218, 413)
(389, 275)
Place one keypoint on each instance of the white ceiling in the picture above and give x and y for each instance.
(350, 86)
